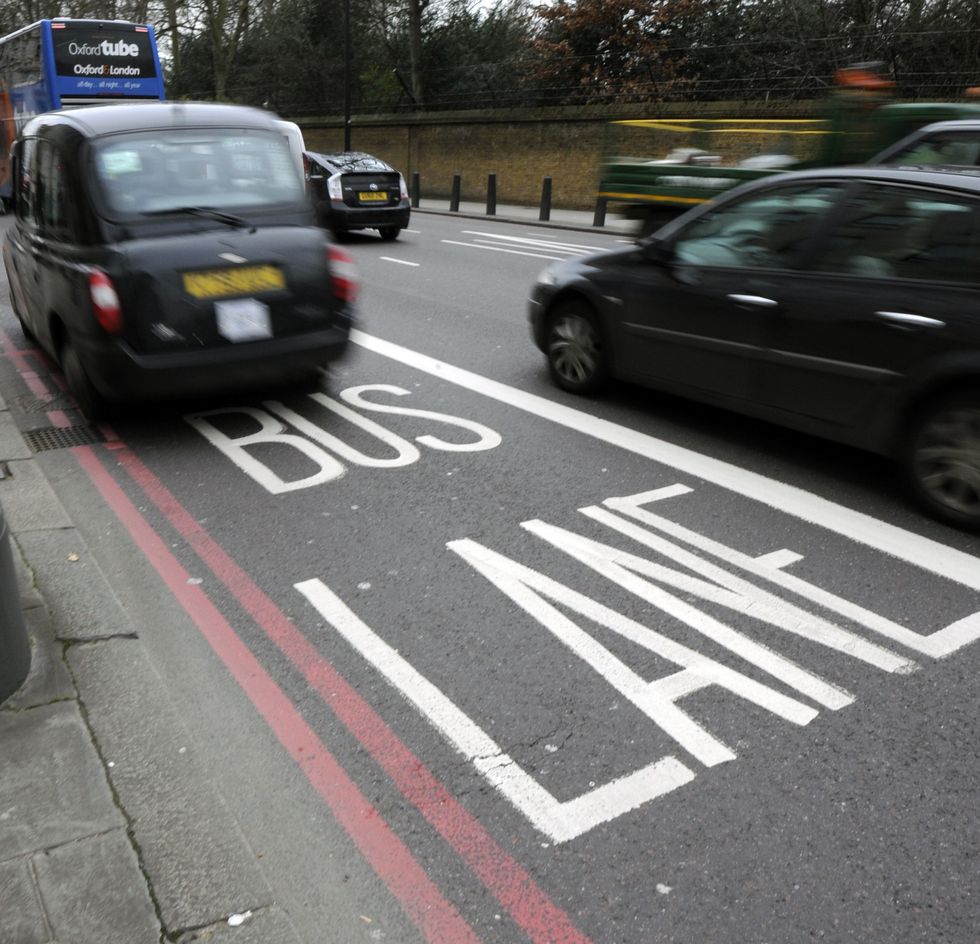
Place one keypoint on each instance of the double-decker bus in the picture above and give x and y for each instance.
(52, 64)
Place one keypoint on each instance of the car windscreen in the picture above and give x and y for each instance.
(236, 169)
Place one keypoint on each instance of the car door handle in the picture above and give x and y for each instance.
(910, 320)
(758, 301)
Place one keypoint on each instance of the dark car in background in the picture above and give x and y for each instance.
(843, 303)
(352, 190)
(170, 249)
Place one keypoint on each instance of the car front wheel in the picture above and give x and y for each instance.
(577, 357)
(942, 458)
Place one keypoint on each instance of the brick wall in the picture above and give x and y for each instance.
(520, 147)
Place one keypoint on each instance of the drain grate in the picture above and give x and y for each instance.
(41, 440)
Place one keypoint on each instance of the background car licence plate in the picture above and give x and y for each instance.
(372, 197)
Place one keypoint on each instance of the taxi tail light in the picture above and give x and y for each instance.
(404, 187)
(105, 302)
(335, 189)
(343, 275)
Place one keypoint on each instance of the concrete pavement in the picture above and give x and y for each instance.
(109, 830)
(560, 219)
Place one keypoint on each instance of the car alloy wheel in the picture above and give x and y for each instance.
(576, 356)
(944, 459)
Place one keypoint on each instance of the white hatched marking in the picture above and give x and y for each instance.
(515, 252)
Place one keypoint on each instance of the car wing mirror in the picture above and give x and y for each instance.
(658, 251)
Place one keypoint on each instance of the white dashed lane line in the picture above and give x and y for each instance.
(414, 265)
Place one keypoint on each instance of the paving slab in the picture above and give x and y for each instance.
(53, 788)
(29, 501)
(269, 926)
(21, 916)
(82, 604)
(199, 865)
(12, 444)
(30, 596)
(94, 893)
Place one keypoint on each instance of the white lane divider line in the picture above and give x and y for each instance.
(399, 261)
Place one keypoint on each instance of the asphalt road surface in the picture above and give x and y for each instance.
(475, 660)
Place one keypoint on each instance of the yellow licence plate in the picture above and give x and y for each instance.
(373, 197)
(224, 283)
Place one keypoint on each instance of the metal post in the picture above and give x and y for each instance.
(600, 212)
(416, 188)
(454, 197)
(492, 195)
(15, 650)
(545, 213)
(347, 77)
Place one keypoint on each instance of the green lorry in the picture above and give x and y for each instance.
(703, 157)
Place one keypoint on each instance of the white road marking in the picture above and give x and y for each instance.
(721, 588)
(414, 232)
(528, 589)
(534, 241)
(937, 645)
(916, 550)
(400, 261)
(568, 252)
(779, 559)
(560, 821)
(516, 252)
(272, 430)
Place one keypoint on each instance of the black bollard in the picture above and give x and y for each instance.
(545, 213)
(416, 189)
(15, 650)
(454, 198)
(492, 195)
(600, 212)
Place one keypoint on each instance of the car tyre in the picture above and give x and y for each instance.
(89, 400)
(942, 458)
(24, 330)
(389, 233)
(577, 357)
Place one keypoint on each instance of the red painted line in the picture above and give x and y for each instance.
(391, 859)
(511, 884)
(59, 419)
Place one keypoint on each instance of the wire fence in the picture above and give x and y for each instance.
(923, 64)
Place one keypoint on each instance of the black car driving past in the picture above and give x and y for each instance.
(844, 303)
(170, 249)
(352, 190)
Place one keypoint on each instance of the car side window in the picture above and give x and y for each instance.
(762, 231)
(904, 233)
(27, 182)
(55, 210)
(959, 148)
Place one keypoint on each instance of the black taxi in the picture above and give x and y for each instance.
(169, 249)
